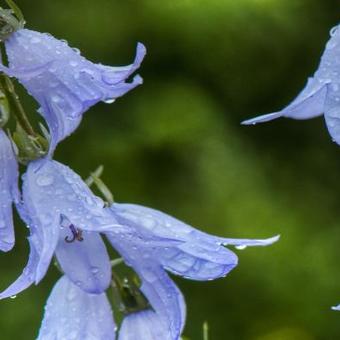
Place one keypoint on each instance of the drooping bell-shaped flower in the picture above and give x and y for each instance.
(72, 314)
(67, 220)
(63, 82)
(321, 94)
(8, 191)
(160, 242)
(63, 218)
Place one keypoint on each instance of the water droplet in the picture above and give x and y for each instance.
(94, 270)
(109, 101)
(56, 99)
(241, 247)
(76, 50)
(45, 180)
(333, 30)
(71, 295)
(35, 40)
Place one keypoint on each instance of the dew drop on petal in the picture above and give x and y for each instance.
(109, 101)
(35, 40)
(333, 31)
(241, 247)
(94, 270)
(2, 224)
(45, 180)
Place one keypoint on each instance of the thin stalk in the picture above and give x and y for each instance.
(18, 111)
(17, 11)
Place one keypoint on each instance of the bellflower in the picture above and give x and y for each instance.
(145, 322)
(8, 190)
(66, 220)
(321, 94)
(62, 81)
(71, 313)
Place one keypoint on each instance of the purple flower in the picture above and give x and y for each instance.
(8, 190)
(67, 220)
(71, 313)
(145, 322)
(63, 217)
(63, 82)
(321, 94)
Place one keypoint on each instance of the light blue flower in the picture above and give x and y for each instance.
(8, 191)
(321, 94)
(56, 204)
(66, 220)
(145, 322)
(72, 314)
(63, 82)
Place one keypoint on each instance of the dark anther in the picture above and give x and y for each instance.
(77, 234)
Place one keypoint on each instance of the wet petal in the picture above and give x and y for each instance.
(332, 114)
(146, 322)
(28, 275)
(161, 292)
(308, 104)
(8, 190)
(70, 313)
(63, 82)
(196, 255)
(86, 263)
(52, 190)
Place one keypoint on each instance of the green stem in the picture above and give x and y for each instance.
(18, 111)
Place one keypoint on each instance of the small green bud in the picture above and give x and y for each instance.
(29, 147)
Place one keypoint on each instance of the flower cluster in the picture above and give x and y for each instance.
(68, 222)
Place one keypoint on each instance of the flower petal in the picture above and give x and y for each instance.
(9, 191)
(27, 277)
(87, 263)
(337, 308)
(161, 292)
(308, 104)
(52, 190)
(332, 113)
(195, 255)
(63, 82)
(145, 322)
(70, 313)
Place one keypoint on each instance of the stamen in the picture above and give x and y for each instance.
(77, 234)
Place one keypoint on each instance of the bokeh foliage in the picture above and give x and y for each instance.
(176, 144)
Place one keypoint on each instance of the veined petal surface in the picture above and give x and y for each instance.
(63, 82)
(72, 314)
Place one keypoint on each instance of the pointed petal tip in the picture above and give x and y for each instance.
(141, 49)
(251, 121)
(263, 118)
(336, 308)
(271, 240)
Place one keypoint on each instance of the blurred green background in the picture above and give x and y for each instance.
(176, 144)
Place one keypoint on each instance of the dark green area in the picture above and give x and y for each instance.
(176, 144)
